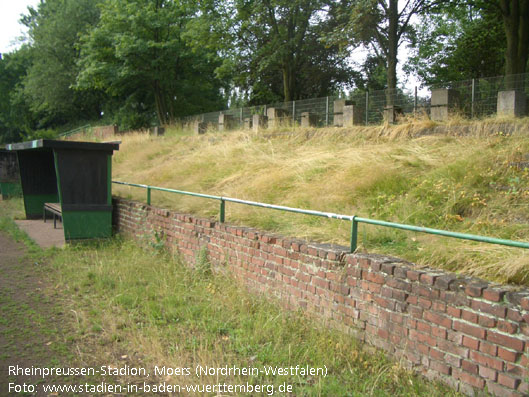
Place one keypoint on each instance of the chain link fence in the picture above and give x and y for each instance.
(471, 99)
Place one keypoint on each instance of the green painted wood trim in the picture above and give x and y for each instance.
(87, 224)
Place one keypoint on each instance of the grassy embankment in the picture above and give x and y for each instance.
(475, 182)
(128, 304)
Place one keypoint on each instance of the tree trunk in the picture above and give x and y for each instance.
(288, 82)
(161, 109)
(393, 45)
(516, 26)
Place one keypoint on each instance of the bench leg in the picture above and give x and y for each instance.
(44, 214)
(54, 221)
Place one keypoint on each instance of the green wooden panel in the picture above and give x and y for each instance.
(87, 224)
(34, 204)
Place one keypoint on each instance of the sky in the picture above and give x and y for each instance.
(10, 28)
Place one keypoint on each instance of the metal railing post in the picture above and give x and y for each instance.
(222, 210)
(354, 235)
(148, 195)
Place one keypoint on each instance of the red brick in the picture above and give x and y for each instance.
(487, 361)
(507, 326)
(469, 367)
(425, 303)
(454, 312)
(438, 319)
(375, 278)
(469, 329)
(524, 302)
(490, 308)
(440, 367)
(470, 342)
(427, 278)
(413, 275)
(454, 361)
(487, 348)
(487, 322)
(436, 354)
(423, 327)
(507, 341)
(508, 381)
(493, 295)
(472, 380)
(439, 332)
(469, 316)
(507, 355)
(475, 289)
(488, 373)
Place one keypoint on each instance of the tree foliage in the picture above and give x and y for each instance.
(458, 42)
(54, 30)
(138, 54)
(279, 54)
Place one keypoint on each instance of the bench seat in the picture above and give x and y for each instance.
(55, 209)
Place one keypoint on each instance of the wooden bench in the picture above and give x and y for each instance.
(55, 209)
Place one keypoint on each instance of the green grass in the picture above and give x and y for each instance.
(471, 183)
(144, 300)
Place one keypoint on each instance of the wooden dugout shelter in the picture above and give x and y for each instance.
(75, 176)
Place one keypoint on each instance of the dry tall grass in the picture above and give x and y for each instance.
(462, 176)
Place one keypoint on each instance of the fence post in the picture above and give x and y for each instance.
(473, 98)
(222, 210)
(367, 107)
(148, 195)
(327, 112)
(241, 117)
(354, 235)
(293, 113)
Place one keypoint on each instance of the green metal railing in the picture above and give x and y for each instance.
(355, 220)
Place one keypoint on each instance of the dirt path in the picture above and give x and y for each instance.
(30, 322)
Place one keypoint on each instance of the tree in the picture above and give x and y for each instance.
(16, 118)
(381, 26)
(139, 55)
(54, 29)
(516, 25)
(458, 42)
(279, 52)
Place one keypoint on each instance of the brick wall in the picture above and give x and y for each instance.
(465, 332)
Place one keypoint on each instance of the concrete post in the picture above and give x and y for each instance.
(258, 122)
(444, 103)
(338, 111)
(512, 103)
(308, 119)
(276, 117)
(391, 113)
(199, 127)
(352, 115)
(226, 122)
(248, 123)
